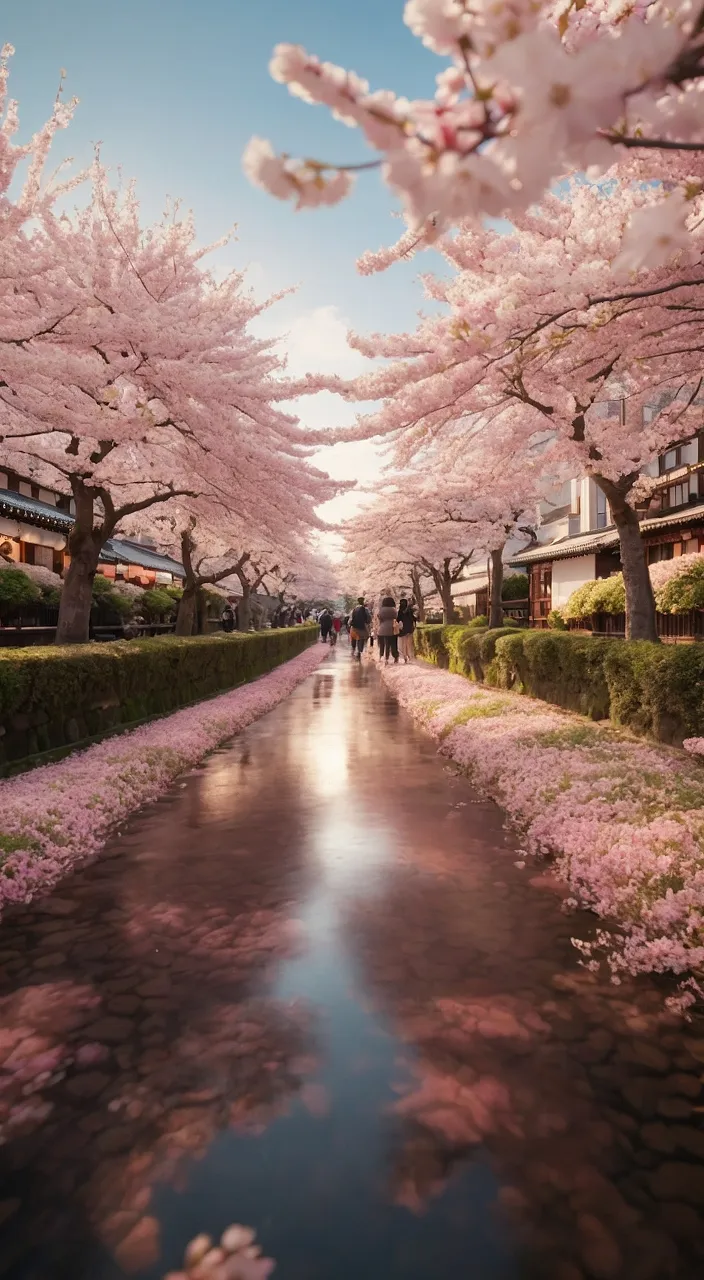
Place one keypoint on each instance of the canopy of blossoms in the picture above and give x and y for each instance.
(530, 90)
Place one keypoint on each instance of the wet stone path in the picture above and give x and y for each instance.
(310, 991)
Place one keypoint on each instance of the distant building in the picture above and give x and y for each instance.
(34, 528)
(577, 541)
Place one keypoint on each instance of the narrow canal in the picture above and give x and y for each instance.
(311, 991)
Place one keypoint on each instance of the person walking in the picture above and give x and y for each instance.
(227, 617)
(360, 623)
(325, 624)
(387, 630)
(336, 628)
(407, 624)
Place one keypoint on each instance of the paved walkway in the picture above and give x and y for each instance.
(310, 991)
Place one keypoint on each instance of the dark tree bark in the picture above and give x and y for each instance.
(418, 594)
(85, 543)
(202, 613)
(496, 576)
(185, 617)
(244, 608)
(186, 614)
(443, 581)
(640, 599)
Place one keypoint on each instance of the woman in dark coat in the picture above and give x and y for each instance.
(387, 629)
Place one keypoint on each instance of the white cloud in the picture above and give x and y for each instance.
(315, 341)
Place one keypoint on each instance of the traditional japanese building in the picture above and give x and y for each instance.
(34, 528)
(577, 540)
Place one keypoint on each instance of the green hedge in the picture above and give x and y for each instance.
(55, 697)
(656, 690)
(558, 666)
(467, 650)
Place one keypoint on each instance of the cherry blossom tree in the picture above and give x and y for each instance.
(14, 212)
(131, 376)
(533, 347)
(532, 90)
(438, 516)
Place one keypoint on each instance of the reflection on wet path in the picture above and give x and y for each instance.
(310, 991)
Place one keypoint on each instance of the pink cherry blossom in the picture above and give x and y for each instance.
(622, 820)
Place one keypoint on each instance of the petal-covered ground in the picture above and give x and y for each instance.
(622, 819)
(308, 990)
(56, 817)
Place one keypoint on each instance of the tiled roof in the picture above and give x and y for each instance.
(122, 551)
(35, 512)
(603, 540)
(467, 587)
(689, 515)
(115, 551)
(583, 545)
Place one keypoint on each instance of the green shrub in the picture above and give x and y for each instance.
(487, 648)
(16, 591)
(156, 604)
(567, 670)
(602, 595)
(683, 592)
(108, 604)
(657, 690)
(515, 587)
(481, 620)
(51, 697)
(556, 622)
(428, 640)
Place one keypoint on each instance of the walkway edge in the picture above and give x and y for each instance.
(59, 816)
(622, 820)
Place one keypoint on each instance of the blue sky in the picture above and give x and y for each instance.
(173, 89)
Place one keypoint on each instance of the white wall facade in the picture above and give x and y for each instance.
(567, 575)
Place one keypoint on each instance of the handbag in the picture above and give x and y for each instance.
(397, 627)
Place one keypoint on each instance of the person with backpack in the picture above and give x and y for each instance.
(360, 622)
(407, 624)
(227, 617)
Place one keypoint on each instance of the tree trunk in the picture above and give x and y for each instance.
(185, 617)
(202, 621)
(84, 546)
(496, 574)
(418, 595)
(448, 604)
(640, 600)
(244, 610)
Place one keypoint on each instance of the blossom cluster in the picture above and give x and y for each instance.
(623, 820)
(534, 89)
(236, 1257)
(60, 815)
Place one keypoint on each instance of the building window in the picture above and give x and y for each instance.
(678, 495)
(601, 510)
(668, 461)
(663, 551)
(27, 552)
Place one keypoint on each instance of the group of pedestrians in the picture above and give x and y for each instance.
(330, 626)
(393, 629)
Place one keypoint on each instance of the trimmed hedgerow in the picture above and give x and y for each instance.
(656, 690)
(58, 696)
(557, 666)
(429, 644)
